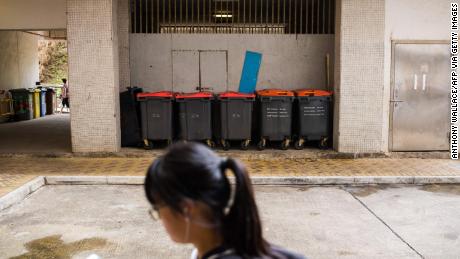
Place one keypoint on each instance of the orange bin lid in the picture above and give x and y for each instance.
(275, 92)
(156, 94)
(312, 92)
(236, 95)
(194, 95)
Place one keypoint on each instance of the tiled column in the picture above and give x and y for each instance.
(92, 33)
(359, 76)
(123, 41)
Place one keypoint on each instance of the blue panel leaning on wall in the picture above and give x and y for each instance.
(250, 72)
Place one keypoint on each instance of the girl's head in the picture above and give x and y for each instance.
(189, 188)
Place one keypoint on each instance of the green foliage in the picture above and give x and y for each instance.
(53, 61)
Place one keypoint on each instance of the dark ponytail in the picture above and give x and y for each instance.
(242, 228)
(193, 171)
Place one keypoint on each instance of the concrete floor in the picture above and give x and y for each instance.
(49, 134)
(320, 222)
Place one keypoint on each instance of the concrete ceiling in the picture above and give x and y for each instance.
(33, 14)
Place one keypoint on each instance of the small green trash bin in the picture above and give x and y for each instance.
(21, 104)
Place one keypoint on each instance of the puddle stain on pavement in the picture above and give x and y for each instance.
(54, 247)
(451, 236)
(343, 253)
(369, 190)
(304, 189)
(434, 188)
(441, 188)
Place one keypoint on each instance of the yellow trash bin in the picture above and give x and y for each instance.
(36, 98)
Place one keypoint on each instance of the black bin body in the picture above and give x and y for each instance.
(21, 105)
(313, 112)
(275, 116)
(50, 101)
(194, 116)
(129, 118)
(156, 115)
(233, 120)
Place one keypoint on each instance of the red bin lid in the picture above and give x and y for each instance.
(157, 94)
(236, 95)
(312, 92)
(193, 95)
(275, 92)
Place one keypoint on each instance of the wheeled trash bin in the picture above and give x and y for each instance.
(233, 118)
(21, 105)
(156, 117)
(51, 103)
(313, 121)
(36, 102)
(42, 101)
(130, 118)
(274, 117)
(194, 117)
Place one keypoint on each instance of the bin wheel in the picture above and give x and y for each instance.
(225, 144)
(285, 144)
(299, 144)
(210, 143)
(245, 144)
(323, 143)
(261, 145)
(148, 144)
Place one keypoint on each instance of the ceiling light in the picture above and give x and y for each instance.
(222, 15)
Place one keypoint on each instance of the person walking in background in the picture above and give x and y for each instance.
(65, 95)
(190, 192)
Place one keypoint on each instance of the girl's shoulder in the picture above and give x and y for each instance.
(218, 253)
(276, 251)
(282, 253)
(227, 253)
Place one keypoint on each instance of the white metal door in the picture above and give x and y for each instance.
(420, 97)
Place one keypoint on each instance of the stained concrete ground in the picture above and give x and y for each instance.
(371, 222)
(319, 222)
(16, 171)
(49, 134)
(43, 147)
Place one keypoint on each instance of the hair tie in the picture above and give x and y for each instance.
(228, 206)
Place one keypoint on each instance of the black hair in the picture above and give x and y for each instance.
(195, 172)
(64, 80)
